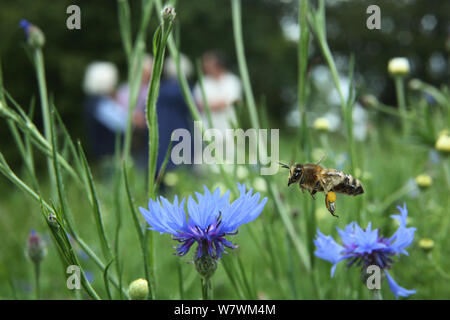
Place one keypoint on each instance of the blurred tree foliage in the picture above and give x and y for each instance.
(417, 29)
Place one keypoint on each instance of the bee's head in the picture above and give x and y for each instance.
(295, 172)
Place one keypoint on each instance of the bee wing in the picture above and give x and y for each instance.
(332, 178)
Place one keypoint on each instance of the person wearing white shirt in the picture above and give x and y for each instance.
(222, 90)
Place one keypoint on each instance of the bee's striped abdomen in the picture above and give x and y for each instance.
(350, 186)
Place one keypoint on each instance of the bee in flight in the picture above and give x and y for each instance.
(314, 178)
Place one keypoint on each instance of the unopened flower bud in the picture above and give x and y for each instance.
(426, 244)
(170, 179)
(138, 289)
(370, 100)
(168, 13)
(443, 142)
(36, 248)
(321, 124)
(35, 37)
(260, 184)
(415, 84)
(206, 266)
(242, 173)
(398, 66)
(424, 181)
(51, 218)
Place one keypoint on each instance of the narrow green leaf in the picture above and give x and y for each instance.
(90, 189)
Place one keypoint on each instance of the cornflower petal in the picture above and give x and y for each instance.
(396, 289)
(328, 249)
(401, 218)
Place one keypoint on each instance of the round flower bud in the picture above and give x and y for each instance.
(260, 184)
(168, 13)
(424, 180)
(206, 266)
(242, 172)
(138, 289)
(426, 244)
(321, 124)
(370, 100)
(321, 213)
(35, 37)
(443, 142)
(398, 66)
(170, 179)
(36, 249)
(415, 84)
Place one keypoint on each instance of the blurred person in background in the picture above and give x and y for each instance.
(173, 112)
(222, 90)
(104, 116)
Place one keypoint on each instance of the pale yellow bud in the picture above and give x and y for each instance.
(426, 244)
(321, 124)
(170, 179)
(424, 180)
(443, 142)
(398, 66)
(138, 289)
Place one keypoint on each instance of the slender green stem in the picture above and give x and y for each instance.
(299, 246)
(40, 73)
(445, 223)
(240, 53)
(302, 57)
(135, 57)
(400, 91)
(141, 234)
(206, 289)
(37, 280)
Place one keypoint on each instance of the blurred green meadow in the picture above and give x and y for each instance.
(275, 258)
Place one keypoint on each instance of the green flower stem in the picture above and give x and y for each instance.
(239, 44)
(135, 56)
(159, 46)
(287, 221)
(400, 91)
(319, 26)
(140, 233)
(445, 223)
(40, 73)
(36, 267)
(302, 57)
(206, 289)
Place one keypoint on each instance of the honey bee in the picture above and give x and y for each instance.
(314, 178)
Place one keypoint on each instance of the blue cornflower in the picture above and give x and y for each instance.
(25, 25)
(365, 247)
(210, 219)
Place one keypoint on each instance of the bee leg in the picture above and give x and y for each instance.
(314, 191)
(330, 199)
(303, 189)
